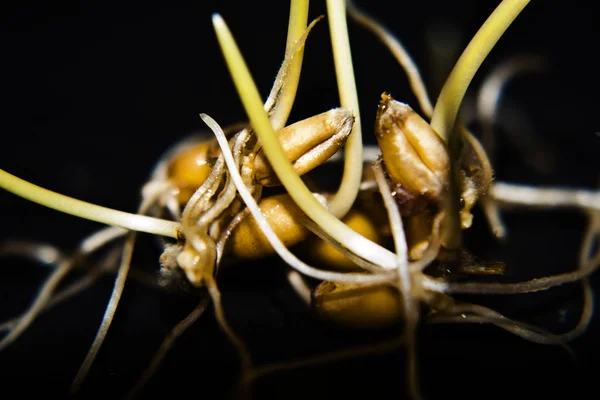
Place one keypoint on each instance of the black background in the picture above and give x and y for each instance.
(92, 93)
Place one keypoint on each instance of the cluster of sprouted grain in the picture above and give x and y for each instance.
(427, 176)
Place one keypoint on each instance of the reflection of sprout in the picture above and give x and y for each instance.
(441, 185)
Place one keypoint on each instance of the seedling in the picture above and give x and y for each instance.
(216, 208)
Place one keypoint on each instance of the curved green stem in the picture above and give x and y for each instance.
(281, 165)
(446, 108)
(448, 103)
(296, 27)
(353, 164)
(86, 210)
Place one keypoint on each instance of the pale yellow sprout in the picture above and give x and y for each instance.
(346, 194)
(448, 103)
(398, 261)
(296, 28)
(266, 229)
(85, 210)
(446, 108)
(281, 165)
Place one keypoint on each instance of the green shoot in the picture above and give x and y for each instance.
(296, 28)
(448, 103)
(86, 210)
(446, 108)
(281, 165)
(348, 190)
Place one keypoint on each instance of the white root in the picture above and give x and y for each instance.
(529, 196)
(275, 242)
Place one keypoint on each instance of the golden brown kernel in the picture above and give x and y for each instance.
(308, 143)
(248, 241)
(358, 306)
(190, 169)
(414, 155)
(326, 254)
